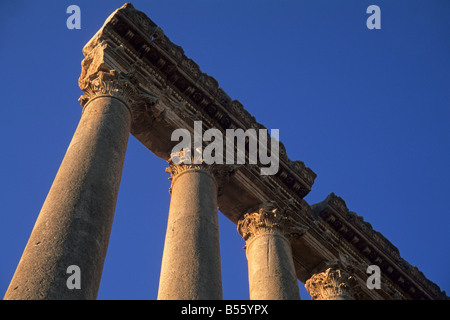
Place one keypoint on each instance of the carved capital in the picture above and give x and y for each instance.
(332, 284)
(112, 83)
(268, 218)
(186, 161)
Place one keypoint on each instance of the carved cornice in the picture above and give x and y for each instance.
(268, 218)
(373, 246)
(180, 78)
(332, 284)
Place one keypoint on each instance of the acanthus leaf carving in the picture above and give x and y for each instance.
(268, 217)
(186, 159)
(113, 83)
(332, 284)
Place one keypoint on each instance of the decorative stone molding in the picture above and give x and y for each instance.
(370, 244)
(268, 218)
(332, 284)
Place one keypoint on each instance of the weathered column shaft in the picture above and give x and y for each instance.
(75, 221)
(271, 268)
(190, 268)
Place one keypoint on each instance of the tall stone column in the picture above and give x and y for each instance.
(74, 224)
(271, 270)
(190, 268)
(332, 284)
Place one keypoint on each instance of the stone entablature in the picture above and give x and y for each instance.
(376, 249)
(130, 64)
(134, 44)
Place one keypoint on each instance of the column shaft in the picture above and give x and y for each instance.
(190, 268)
(75, 221)
(271, 268)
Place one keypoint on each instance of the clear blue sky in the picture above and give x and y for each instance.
(367, 110)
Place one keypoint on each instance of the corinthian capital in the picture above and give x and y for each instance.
(332, 284)
(186, 160)
(112, 83)
(268, 218)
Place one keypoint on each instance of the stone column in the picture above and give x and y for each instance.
(190, 268)
(332, 284)
(271, 271)
(74, 224)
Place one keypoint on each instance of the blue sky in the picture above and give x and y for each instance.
(367, 110)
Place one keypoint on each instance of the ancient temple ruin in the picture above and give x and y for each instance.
(135, 80)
